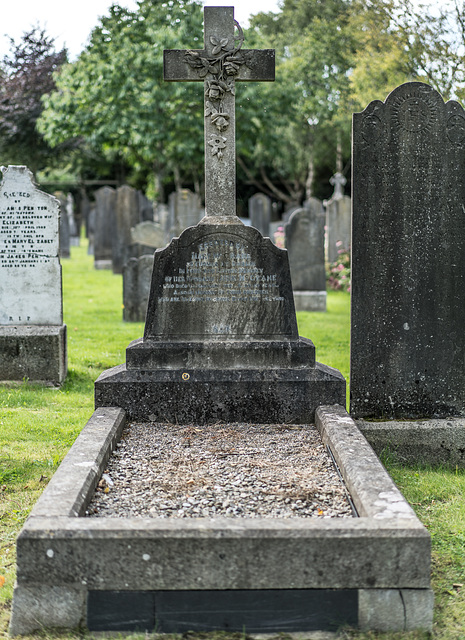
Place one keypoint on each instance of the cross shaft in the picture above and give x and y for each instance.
(219, 65)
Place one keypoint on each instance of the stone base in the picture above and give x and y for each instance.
(263, 575)
(202, 396)
(35, 353)
(310, 300)
(433, 442)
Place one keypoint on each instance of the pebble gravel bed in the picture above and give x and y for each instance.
(233, 470)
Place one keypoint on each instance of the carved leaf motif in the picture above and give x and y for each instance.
(218, 44)
(209, 109)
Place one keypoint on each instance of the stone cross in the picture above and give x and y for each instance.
(338, 181)
(218, 66)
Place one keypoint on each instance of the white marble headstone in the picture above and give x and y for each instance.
(30, 270)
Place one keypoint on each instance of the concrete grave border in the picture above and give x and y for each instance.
(383, 556)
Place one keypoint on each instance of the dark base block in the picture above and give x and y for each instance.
(249, 611)
(35, 353)
(233, 395)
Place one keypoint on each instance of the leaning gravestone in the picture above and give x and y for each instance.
(304, 237)
(32, 333)
(105, 227)
(260, 213)
(338, 220)
(408, 266)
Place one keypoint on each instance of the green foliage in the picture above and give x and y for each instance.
(26, 74)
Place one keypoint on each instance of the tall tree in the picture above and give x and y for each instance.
(26, 75)
(114, 98)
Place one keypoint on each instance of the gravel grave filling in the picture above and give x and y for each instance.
(233, 470)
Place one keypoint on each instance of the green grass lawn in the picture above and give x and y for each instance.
(38, 425)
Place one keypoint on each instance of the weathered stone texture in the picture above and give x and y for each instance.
(408, 267)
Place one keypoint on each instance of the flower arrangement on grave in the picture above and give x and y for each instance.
(338, 272)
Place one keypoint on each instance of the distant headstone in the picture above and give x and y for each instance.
(148, 234)
(105, 227)
(127, 217)
(65, 236)
(73, 229)
(304, 238)
(220, 339)
(289, 210)
(260, 213)
(338, 220)
(32, 333)
(408, 266)
(184, 211)
(146, 212)
(91, 216)
(137, 276)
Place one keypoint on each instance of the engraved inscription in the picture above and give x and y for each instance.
(24, 241)
(221, 271)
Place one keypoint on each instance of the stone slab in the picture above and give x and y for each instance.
(151, 355)
(433, 442)
(209, 395)
(310, 300)
(389, 550)
(35, 353)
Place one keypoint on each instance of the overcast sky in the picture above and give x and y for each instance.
(71, 22)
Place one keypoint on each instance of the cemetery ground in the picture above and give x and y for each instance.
(38, 425)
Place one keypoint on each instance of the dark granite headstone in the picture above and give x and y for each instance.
(260, 213)
(73, 228)
(105, 227)
(137, 277)
(408, 266)
(127, 216)
(65, 241)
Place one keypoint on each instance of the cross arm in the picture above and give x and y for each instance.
(253, 65)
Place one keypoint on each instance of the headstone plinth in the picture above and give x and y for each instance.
(221, 340)
(32, 333)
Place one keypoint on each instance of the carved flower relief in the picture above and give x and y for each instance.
(219, 44)
(220, 120)
(217, 143)
(201, 64)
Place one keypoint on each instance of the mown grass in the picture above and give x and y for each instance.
(38, 425)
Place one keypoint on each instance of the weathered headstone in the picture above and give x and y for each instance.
(260, 213)
(220, 340)
(148, 234)
(304, 237)
(408, 266)
(73, 228)
(105, 227)
(64, 235)
(127, 217)
(338, 220)
(32, 333)
(137, 277)
(184, 211)
(91, 217)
